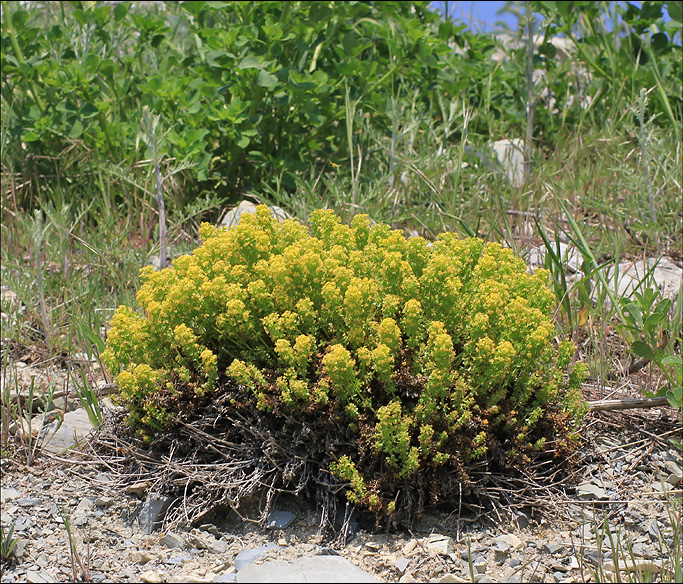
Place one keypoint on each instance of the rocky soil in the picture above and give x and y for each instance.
(631, 478)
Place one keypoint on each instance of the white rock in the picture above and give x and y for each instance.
(233, 216)
(510, 154)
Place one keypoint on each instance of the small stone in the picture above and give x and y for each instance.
(508, 543)
(514, 562)
(484, 579)
(152, 513)
(37, 577)
(212, 529)
(588, 491)
(8, 494)
(401, 564)
(479, 566)
(138, 488)
(225, 578)
(172, 540)
(104, 501)
(150, 576)
(247, 555)
(409, 547)
(140, 557)
(85, 504)
(449, 579)
(553, 548)
(522, 520)
(440, 544)
(28, 501)
(280, 519)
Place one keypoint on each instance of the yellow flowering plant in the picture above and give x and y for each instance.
(431, 357)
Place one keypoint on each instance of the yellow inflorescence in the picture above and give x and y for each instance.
(345, 315)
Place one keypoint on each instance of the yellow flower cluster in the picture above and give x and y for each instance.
(438, 349)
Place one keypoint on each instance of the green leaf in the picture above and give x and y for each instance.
(88, 110)
(653, 320)
(265, 79)
(634, 310)
(91, 62)
(250, 63)
(194, 8)
(675, 397)
(76, 129)
(120, 10)
(675, 10)
(29, 136)
(643, 350)
(672, 360)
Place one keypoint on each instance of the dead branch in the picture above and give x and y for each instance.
(627, 404)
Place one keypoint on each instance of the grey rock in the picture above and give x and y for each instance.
(176, 560)
(553, 548)
(514, 562)
(8, 494)
(588, 491)
(75, 427)
(484, 579)
(248, 555)
(225, 578)
(38, 577)
(152, 513)
(280, 519)
(28, 501)
(439, 544)
(660, 273)
(401, 564)
(305, 569)
(522, 520)
(212, 529)
(233, 216)
(507, 543)
(172, 540)
(510, 154)
(479, 566)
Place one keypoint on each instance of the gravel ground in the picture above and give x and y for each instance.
(632, 478)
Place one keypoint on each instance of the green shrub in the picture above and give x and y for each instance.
(433, 357)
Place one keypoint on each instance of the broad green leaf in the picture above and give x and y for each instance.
(265, 79)
(675, 397)
(88, 110)
(91, 62)
(653, 320)
(634, 310)
(273, 31)
(194, 8)
(675, 10)
(120, 10)
(672, 360)
(76, 129)
(643, 350)
(29, 136)
(250, 62)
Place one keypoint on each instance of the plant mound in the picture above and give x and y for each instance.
(383, 366)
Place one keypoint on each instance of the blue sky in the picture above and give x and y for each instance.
(481, 15)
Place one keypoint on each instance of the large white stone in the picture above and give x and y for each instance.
(233, 216)
(305, 569)
(510, 154)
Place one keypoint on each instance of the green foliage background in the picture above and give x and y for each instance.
(256, 93)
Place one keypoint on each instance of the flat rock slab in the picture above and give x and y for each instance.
(305, 569)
